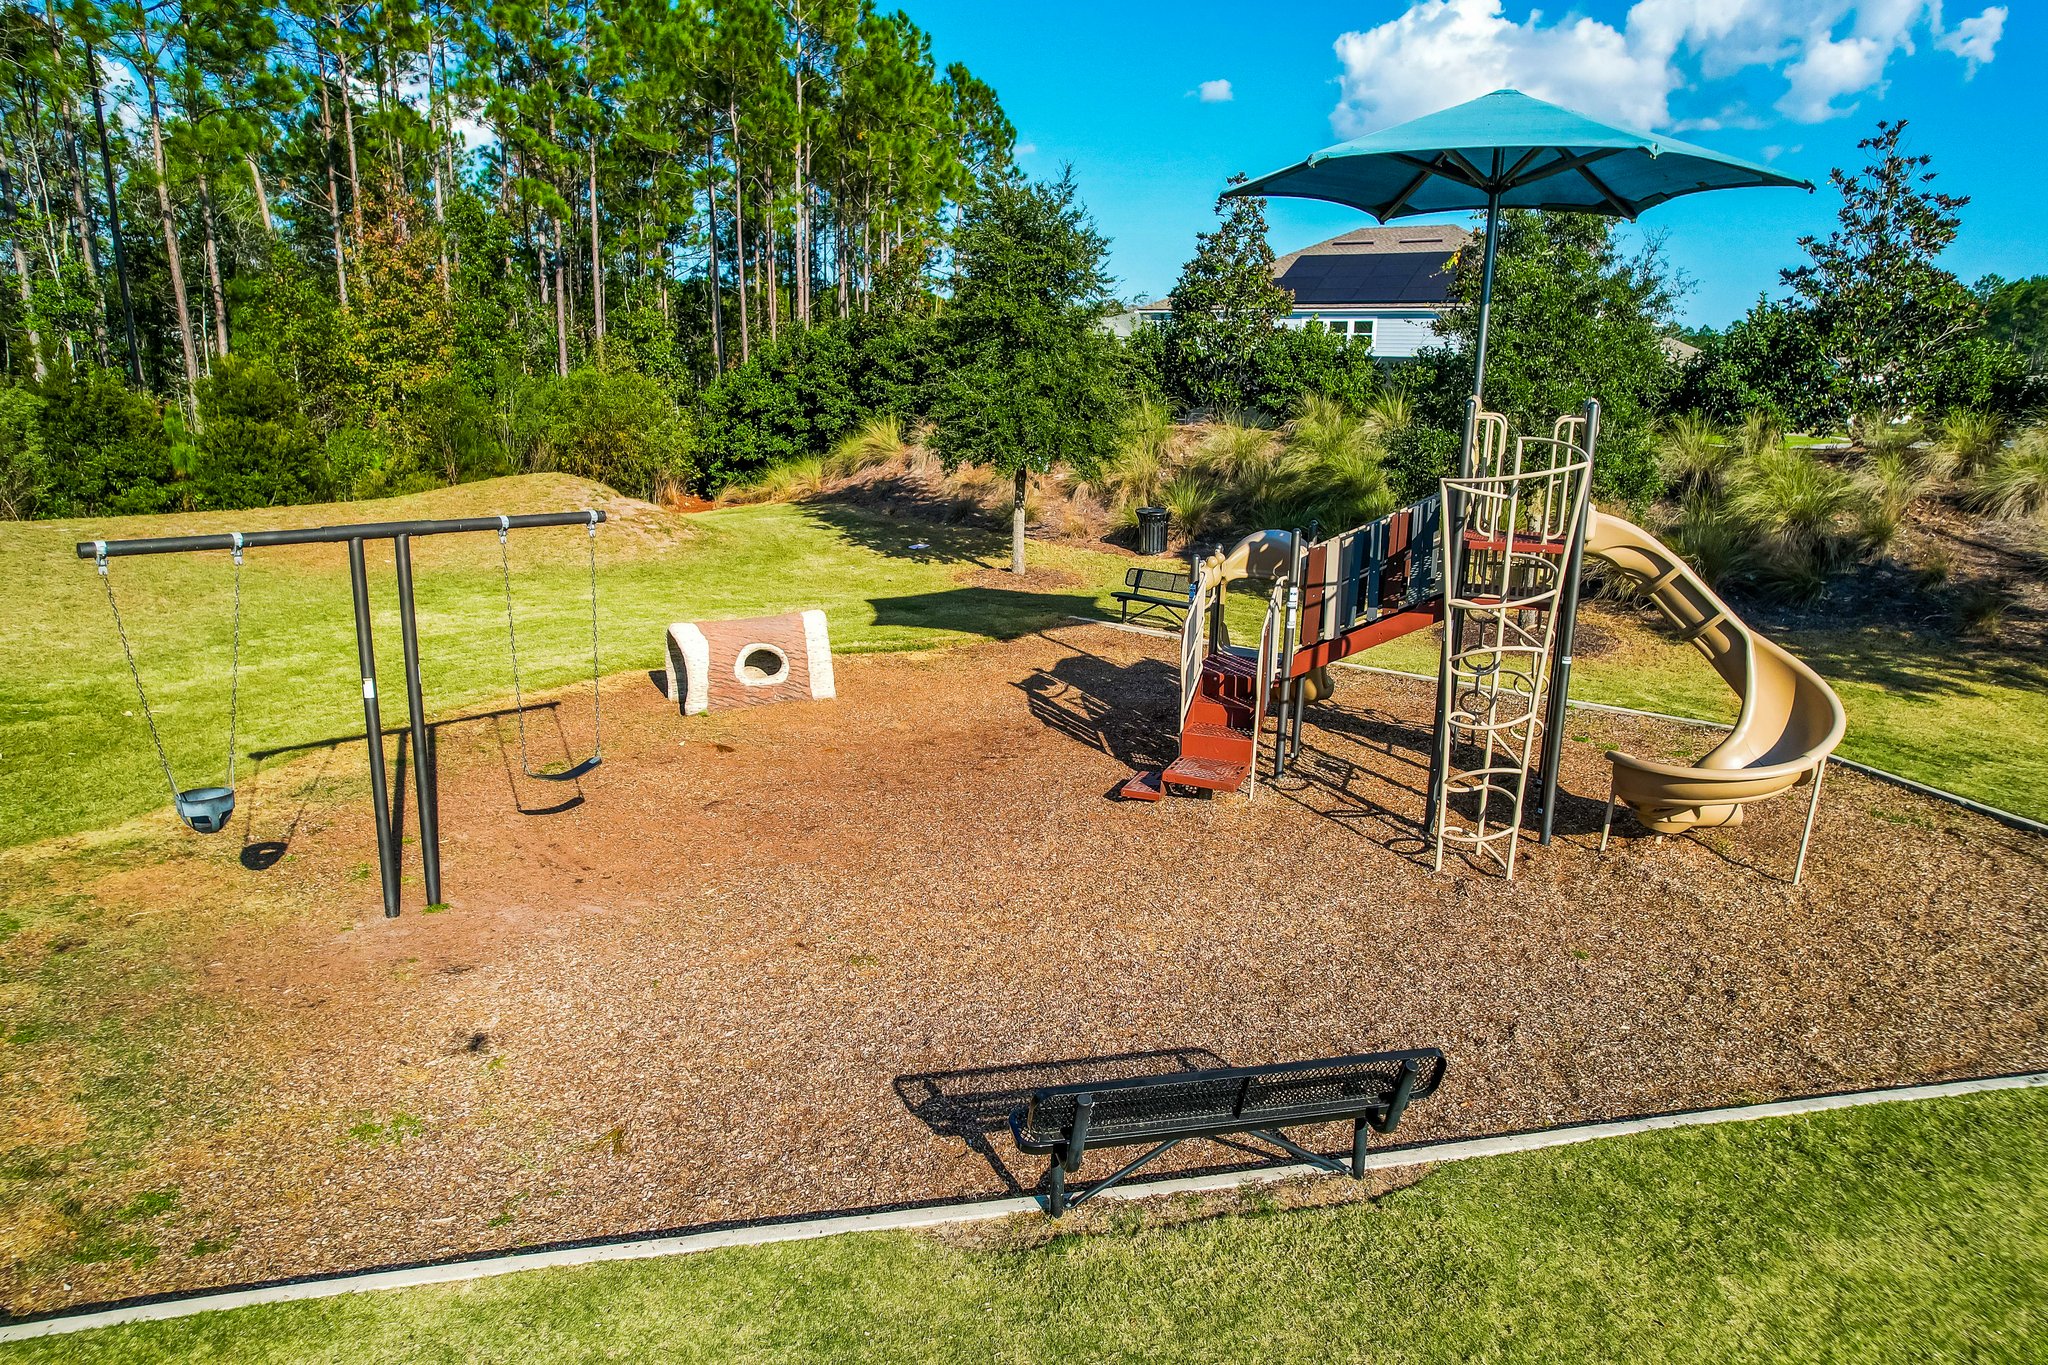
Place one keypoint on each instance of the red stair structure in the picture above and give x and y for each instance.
(1334, 599)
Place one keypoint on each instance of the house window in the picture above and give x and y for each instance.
(1359, 329)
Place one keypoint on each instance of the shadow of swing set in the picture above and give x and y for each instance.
(208, 810)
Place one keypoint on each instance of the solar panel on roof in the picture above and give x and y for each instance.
(1416, 277)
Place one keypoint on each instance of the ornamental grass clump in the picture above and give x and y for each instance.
(2013, 484)
(1694, 455)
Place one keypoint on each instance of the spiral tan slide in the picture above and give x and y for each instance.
(1790, 719)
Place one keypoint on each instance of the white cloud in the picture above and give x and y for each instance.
(1825, 52)
(1024, 149)
(1215, 92)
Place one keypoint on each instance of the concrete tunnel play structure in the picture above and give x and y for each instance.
(1495, 555)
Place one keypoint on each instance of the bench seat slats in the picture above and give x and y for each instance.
(1150, 1108)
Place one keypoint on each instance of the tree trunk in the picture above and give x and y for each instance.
(333, 185)
(262, 196)
(99, 119)
(213, 281)
(14, 221)
(739, 231)
(596, 257)
(348, 133)
(169, 221)
(802, 263)
(561, 308)
(440, 148)
(774, 269)
(1017, 527)
(711, 236)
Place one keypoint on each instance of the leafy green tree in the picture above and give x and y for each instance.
(1225, 307)
(2016, 313)
(1574, 317)
(1887, 309)
(256, 450)
(107, 447)
(1030, 380)
(1772, 360)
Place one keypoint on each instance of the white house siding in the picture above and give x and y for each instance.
(1400, 335)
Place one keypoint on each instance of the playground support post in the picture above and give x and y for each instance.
(425, 787)
(373, 729)
(401, 534)
(1567, 630)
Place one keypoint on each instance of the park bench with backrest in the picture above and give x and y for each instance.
(1151, 590)
(1370, 1090)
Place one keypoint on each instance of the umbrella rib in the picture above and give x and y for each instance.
(1480, 179)
(1614, 201)
(1440, 165)
(1400, 201)
(1523, 164)
(1569, 161)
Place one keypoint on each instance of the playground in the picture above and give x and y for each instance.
(804, 958)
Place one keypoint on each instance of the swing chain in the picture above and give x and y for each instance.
(512, 644)
(128, 653)
(141, 695)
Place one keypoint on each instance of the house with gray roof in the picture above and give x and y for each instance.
(1381, 287)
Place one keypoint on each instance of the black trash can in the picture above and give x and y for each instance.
(1151, 530)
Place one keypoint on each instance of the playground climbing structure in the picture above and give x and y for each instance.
(1495, 555)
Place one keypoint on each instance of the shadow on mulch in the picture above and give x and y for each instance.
(976, 1103)
(1124, 711)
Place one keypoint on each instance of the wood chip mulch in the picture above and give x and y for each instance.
(803, 958)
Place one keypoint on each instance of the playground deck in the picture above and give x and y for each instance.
(799, 959)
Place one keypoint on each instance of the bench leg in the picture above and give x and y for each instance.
(1360, 1135)
(1056, 1195)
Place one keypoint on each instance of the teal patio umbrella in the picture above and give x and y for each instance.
(1508, 150)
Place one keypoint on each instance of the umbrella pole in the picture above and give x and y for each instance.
(1486, 289)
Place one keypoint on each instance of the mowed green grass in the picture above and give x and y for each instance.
(75, 753)
(1968, 717)
(1898, 1232)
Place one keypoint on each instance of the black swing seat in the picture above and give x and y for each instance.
(1370, 1089)
(207, 809)
(569, 774)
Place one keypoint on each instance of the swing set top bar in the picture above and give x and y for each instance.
(324, 535)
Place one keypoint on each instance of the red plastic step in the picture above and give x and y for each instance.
(1209, 773)
(1228, 743)
(1145, 786)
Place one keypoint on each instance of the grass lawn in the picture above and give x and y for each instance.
(72, 743)
(1898, 1232)
(76, 757)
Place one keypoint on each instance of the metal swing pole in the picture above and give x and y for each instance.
(425, 789)
(373, 730)
(400, 533)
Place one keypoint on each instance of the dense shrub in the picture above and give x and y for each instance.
(795, 398)
(618, 428)
(455, 435)
(255, 450)
(24, 468)
(1773, 360)
(106, 447)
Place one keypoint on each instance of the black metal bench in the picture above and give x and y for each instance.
(1151, 590)
(1371, 1090)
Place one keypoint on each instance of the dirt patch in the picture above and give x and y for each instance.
(1033, 579)
(803, 958)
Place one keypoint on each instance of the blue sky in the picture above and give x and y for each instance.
(1130, 95)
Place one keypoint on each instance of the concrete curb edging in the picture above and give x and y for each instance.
(936, 1215)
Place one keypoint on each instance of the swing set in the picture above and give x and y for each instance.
(208, 810)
